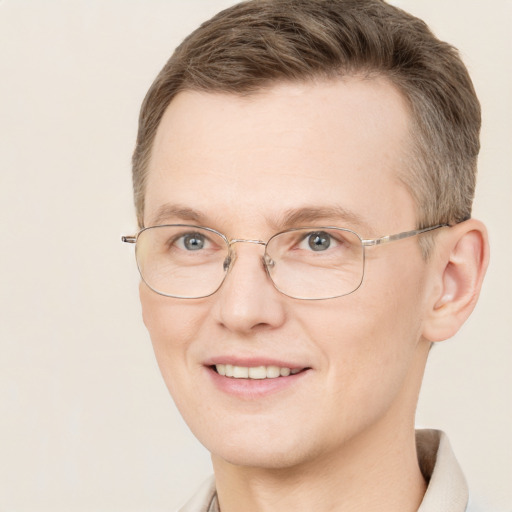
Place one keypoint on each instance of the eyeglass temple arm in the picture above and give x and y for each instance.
(129, 239)
(399, 236)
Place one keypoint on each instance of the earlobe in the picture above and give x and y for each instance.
(461, 259)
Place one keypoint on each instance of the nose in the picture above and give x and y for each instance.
(247, 300)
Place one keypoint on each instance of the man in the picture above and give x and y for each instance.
(303, 179)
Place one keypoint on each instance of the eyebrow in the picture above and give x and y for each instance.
(301, 216)
(175, 211)
(294, 217)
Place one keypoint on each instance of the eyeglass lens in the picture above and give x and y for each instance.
(305, 263)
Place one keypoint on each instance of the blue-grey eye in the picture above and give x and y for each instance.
(193, 241)
(319, 241)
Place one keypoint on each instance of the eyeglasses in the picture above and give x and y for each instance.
(191, 262)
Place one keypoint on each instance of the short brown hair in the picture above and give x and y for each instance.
(260, 42)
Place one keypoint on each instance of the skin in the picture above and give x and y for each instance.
(346, 427)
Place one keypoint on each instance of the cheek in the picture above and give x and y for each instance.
(368, 340)
(171, 322)
(172, 325)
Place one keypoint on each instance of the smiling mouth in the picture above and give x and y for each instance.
(255, 372)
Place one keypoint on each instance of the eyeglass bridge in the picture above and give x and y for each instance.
(267, 260)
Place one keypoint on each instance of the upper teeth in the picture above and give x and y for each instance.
(254, 372)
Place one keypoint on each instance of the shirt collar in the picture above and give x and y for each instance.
(447, 489)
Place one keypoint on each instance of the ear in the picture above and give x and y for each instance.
(459, 262)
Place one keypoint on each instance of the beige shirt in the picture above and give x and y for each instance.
(447, 490)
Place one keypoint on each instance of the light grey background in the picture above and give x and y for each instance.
(86, 423)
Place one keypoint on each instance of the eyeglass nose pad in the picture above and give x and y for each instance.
(227, 263)
(268, 261)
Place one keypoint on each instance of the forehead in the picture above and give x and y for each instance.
(338, 144)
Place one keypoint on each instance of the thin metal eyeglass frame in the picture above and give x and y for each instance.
(267, 261)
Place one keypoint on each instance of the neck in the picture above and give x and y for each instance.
(367, 476)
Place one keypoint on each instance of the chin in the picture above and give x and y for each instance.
(270, 448)
(256, 457)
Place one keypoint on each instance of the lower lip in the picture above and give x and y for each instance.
(250, 389)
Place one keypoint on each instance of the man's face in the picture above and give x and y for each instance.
(242, 165)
